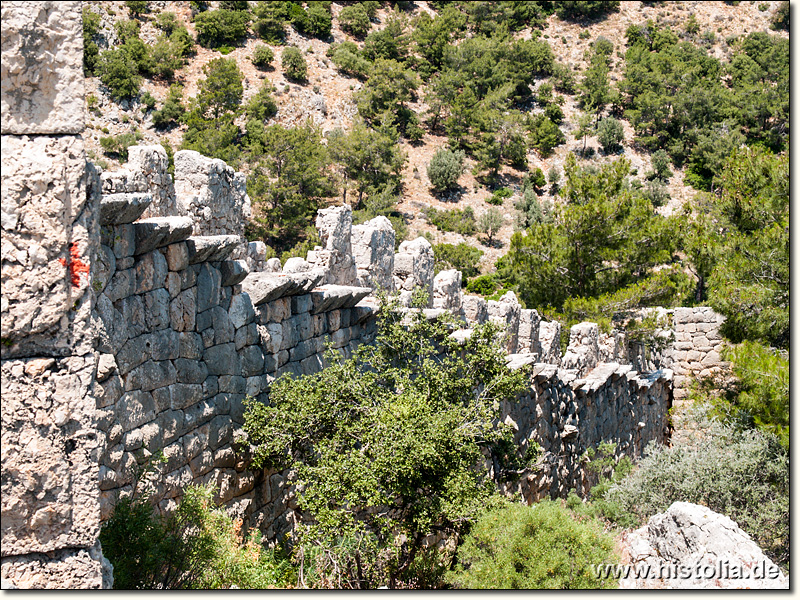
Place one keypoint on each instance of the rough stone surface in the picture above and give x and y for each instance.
(45, 268)
(42, 68)
(583, 351)
(475, 309)
(550, 342)
(157, 232)
(373, 252)
(447, 290)
(706, 546)
(413, 267)
(335, 256)
(63, 569)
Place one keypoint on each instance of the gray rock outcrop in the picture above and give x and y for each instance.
(693, 547)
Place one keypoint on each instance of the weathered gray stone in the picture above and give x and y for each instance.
(119, 209)
(447, 290)
(331, 297)
(157, 232)
(135, 409)
(710, 548)
(183, 310)
(42, 68)
(45, 265)
(151, 375)
(210, 248)
(475, 309)
(373, 253)
(241, 310)
(583, 351)
(265, 287)
(222, 360)
(252, 360)
(413, 266)
(335, 257)
(233, 272)
(177, 256)
(209, 283)
(69, 568)
(49, 486)
(156, 306)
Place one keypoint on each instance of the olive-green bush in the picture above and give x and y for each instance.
(543, 546)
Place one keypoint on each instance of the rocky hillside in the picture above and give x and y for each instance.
(327, 96)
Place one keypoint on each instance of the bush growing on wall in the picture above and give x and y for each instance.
(404, 424)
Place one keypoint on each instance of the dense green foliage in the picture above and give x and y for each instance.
(222, 27)
(91, 25)
(698, 109)
(118, 145)
(741, 474)
(461, 256)
(173, 108)
(576, 10)
(603, 239)
(459, 220)
(401, 425)
(445, 168)
(294, 64)
(490, 223)
(196, 546)
(262, 56)
(543, 546)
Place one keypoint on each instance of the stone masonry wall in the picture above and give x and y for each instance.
(50, 504)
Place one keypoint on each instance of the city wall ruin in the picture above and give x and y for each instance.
(136, 318)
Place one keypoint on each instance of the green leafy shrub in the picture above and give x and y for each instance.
(661, 162)
(173, 108)
(120, 73)
(460, 221)
(610, 133)
(354, 19)
(741, 474)
(545, 135)
(780, 19)
(533, 547)
(564, 79)
(118, 145)
(490, 223)
(403, 423)
(262, 56)
(294, 64)
(445, 168)
(148, 100)
(347, 58)
(261, 105)
(462, 257)
(485, 285)
(197, 546)
(167, 22)
(577, 10)
(91, 52)
(217, 28)
(760, 396)
(136, 7)
(498, 196)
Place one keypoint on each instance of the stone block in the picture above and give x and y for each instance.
(157, 232)
(241, 310)
(70, 568)
(177, 256)
(252, 361)
(151, 272)
(120, 209)
(190, 345)
(223, 328)
(222, 360)
(42, 68)
(151, 375)
(183, 310)
(45, 266)
(209, 283)
(50, 455)
(157, 305)
(233, 271)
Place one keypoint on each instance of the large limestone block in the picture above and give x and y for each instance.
(335, 226)
(41, 77)
(413, 266)
(583, 352)
(447, 290)
(72, 568)
(529, 321)
(45, 226)
(550, 342)
(709, 548)
(50, 457)
(373, 252)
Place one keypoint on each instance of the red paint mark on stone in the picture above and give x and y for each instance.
(75, 265)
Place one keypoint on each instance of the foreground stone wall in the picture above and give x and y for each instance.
(186, 333)
(50, 507)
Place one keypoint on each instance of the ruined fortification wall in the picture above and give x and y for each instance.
(136, 319)
(50, 505)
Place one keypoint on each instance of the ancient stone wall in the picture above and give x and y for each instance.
(186, 333)
(50, 504)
